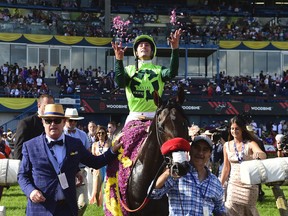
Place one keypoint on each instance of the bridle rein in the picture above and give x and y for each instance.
(159, 129)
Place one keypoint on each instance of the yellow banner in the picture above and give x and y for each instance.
(9, 36)
(98, 41)
(17, 103)
(69, 39)
(38, 38)
(253, 44)
(256, 44)
(280, 45)
(229, 44)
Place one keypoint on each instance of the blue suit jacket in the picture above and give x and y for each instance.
(37, 172)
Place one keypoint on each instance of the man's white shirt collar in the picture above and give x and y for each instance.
(50, 139)
(141, 62)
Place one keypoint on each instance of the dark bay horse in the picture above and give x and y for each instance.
(169, 122)
(132, 186)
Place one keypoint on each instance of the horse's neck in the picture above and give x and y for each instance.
(151, 143)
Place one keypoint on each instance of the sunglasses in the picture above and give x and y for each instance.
(56, 121)
(102, 133)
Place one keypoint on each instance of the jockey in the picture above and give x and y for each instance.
(140, 81)
(143, 78)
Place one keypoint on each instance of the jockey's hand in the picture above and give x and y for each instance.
(175, 38)
(117, 143)
(118, 50)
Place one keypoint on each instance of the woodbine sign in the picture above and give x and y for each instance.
(197, 108)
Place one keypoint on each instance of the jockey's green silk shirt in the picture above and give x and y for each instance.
(140, 85)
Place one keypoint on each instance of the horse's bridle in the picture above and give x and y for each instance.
(166, 160)
(159, 129)
(146, 199)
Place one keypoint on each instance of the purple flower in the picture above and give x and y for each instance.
(173, 17)
(120, 27)
(133, 137)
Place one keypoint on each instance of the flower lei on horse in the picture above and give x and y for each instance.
(118, 172)
(135, 138)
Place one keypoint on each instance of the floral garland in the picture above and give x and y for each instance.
(135, 132)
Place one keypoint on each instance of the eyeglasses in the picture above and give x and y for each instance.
(56, 121)
(101, 133)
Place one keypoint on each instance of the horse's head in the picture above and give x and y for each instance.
(168, 123)
(171, 122)
(170, 119)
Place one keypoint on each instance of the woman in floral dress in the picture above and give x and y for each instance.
(241, 199)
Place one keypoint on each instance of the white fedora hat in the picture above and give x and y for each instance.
(207, 133)
(72, 114)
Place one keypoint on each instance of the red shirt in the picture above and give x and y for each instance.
(6, 148)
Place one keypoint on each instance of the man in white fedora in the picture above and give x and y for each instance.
(71, 129)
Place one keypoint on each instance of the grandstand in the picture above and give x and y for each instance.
(233, 58)
(236, 39)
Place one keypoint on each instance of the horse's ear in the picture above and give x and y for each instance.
(157, 99)
(180, 95)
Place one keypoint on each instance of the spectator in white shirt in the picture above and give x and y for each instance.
(280, 127)
(71, 129)
(274, 127)
(218, 90)
(39, 82)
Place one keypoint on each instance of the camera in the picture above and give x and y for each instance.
(178, 164)
(179, 169)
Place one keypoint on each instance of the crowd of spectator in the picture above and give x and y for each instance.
(45, 3)
(263, 85)
(23, 81)
(210, 29)
(91, 82)
(94, 83)
(266, 131)
(69, 81)
(210, 6)
(213, 29)
(51, 22)
(29, 82)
